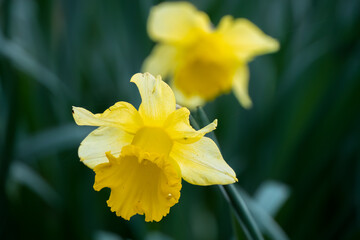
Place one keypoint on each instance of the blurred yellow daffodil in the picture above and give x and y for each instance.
(203, 62)
(142, 155)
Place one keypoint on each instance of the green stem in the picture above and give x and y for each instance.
(230, 193)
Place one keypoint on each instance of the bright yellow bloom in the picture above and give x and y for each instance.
(142, 155)
(203, 62)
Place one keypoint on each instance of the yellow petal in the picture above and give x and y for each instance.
(201, 163)
(104, 139)
(140, 183)
(176, 22)
(121, 114)
(179, 129)
(240, 86)
(161, 61)
(247, 39)
(158, 100)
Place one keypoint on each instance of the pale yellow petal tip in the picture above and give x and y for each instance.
(247, 103)
(73, 110)
(225, 23)
(77, 112)
(158, 77)
(232, 174)
(137, 78)
(174, 21)
(83, 160)
(242, 96)
(212, 126)
(140, 76)
(234, 179)
(273, 45)
(209, 128)
(84, 117)
(215, 122)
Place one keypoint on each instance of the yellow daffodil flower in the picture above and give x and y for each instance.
(203, 62)
(142, 155)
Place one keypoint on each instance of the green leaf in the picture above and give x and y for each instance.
(264, 220)
(271, 195)
(104, 235)
(27, 63)
(155, 235)
(52, 141)
(20, 173)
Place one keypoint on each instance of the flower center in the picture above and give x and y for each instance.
(153, 140)
(207, 68)
(203, 78)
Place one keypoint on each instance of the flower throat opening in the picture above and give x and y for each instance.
(153, 140)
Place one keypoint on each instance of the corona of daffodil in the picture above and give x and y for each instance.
(142, 155)
(203, 62)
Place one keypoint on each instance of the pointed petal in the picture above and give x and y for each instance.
(121, 114)
(158, 100)
(247, 39)
(179, 129)
(104, 139)
(139, 185)
(176, 22)
(161, 61)
(201, 163)
(240, 86)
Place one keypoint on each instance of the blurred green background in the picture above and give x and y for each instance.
(296, 152)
